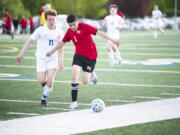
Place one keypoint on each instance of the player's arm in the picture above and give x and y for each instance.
(58, 46)
(104, 23)
(20, 56)
(104, 35)
(61, 56)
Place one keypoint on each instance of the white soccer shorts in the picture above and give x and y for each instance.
(43, 64)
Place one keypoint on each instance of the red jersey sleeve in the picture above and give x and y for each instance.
(66, 37)
(89, 29)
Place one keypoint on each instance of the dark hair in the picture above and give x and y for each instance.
(71, 18)
(6, 10)
(113, 6)
(51, 12)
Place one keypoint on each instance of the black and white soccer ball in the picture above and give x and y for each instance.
(97, 105)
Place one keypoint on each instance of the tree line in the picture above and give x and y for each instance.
(94, 9)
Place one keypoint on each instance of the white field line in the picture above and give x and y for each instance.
(8, 75)
(21, 113)
(141, 54)
(103, 83)
(97, 69)
(66, 59)
(123, 101)
(87, 121)
(135, 48)
(38, 102)
(144, 97)
(170, 94)
(103, 44)
(61, 109)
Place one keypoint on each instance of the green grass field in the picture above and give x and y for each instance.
(150, 71)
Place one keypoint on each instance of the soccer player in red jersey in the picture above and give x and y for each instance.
(23, 24)
(85, 53)
(7, 24)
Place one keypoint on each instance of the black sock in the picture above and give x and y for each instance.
(43, 84)
(74, 91)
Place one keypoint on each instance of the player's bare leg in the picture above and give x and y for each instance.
(155, 33)
(75, 85)
(161, 30)
(42, 76)
(85, 77)
(92, 76)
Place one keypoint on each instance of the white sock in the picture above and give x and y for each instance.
(111, 56)
(155, 34)
(118, 56)
(46, 92)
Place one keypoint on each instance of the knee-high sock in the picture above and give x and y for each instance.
(111, 55)
(74, 91)
(117, 54)
(46, 92)
(155, 34)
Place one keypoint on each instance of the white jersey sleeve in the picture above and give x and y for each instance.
(35, 34)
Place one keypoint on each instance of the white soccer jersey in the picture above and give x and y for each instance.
(156, 14)
(156, 22)
(46, 40)
(112, 22)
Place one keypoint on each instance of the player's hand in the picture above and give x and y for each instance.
(49, 54)
(20, 57)
(117, 42)
(61, 67)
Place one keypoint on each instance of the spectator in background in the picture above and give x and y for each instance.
(42, 18)
(23, 24)
(42, 9)
(7, 24)
(15, 24)
(31, 23)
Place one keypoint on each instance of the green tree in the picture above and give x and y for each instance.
(82, 8)
(15, 8)
(166, 6)
(34, 6)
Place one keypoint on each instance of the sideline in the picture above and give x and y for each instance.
(86, 120)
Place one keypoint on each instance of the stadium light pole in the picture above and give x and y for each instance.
(175, 12)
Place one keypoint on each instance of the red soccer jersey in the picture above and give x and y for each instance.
(23, 23)
(120, 14)
(41, 11)
(31, 23)
(7, 20)
(82, 40)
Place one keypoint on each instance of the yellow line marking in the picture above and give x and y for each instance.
(12, 49)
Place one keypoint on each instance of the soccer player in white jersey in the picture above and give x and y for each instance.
(114, 23)
(47, 36)
(157, 22)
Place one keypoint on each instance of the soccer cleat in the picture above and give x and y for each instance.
(43, 102)
(119, 63)
(73, 105)
(94, 78)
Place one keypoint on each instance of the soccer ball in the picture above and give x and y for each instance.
(97, 105)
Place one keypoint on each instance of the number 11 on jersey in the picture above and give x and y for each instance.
(50, 42)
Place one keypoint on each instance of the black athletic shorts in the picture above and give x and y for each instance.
(86, 64)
